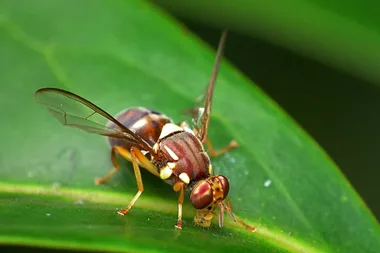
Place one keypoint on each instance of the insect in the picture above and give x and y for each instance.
(153, 141)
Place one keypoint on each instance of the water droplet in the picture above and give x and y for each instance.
(55, 185)
(343, 198)
(48, 214)
(267, 183)
(79, 202)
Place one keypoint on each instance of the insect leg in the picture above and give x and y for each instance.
(179, 186)
(114, 150)
(142, 160)
(233, 144)
(135, 153)
(235, 218)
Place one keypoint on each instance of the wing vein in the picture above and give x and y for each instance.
(74, 111)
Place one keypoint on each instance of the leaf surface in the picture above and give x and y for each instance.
(119, 54)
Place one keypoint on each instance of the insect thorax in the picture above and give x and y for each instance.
(180, 156)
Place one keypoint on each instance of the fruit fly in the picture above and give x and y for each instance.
(153, 141)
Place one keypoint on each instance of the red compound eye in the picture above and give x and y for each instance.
(201, 196)
(225, 185)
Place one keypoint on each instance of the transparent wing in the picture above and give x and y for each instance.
(201, 114)
(74, 111)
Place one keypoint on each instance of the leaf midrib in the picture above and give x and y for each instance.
(113, 198)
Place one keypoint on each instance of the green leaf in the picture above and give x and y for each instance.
(119, 54)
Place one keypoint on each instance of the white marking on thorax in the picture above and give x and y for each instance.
(165, 172)
(184, 177)
(172, 165)
(171, 153)
(168, 129)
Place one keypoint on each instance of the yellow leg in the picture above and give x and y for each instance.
(126, 155)
(179, 186)
(233, 144)
(235, 218)
(135, 153)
